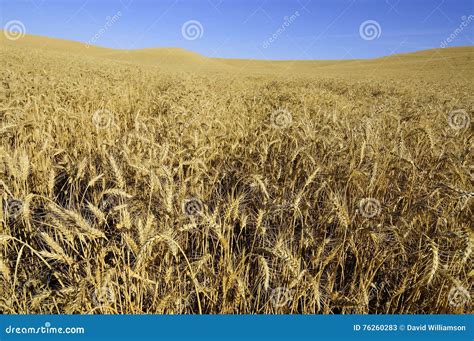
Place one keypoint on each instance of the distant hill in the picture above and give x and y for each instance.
(437, 63)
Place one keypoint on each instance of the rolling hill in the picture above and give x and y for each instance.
(434, 63)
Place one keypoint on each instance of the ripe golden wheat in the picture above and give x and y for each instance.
(134, 189)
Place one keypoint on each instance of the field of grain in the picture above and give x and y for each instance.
(161, 181)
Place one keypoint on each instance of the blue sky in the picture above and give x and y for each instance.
(261, 29)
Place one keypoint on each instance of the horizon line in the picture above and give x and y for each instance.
(86, 45)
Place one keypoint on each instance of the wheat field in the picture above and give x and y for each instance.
(162, 181)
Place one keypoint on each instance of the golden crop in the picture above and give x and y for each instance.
(187, 185)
